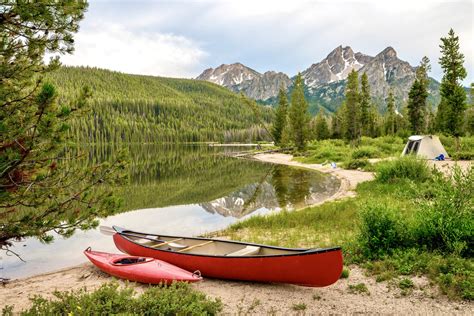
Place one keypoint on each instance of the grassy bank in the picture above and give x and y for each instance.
(409, 220)
(339, 151)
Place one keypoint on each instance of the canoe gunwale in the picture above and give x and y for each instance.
(299, 251)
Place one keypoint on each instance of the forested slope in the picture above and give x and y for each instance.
(146, 109)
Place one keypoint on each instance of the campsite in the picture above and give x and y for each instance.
(215, 157)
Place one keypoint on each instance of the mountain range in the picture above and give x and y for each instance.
(325, 80)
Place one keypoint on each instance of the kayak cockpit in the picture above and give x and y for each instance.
(130, 260)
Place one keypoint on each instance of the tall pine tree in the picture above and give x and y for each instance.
(298, 114)
(280, 116)
(366, 120)
(321, 128)
(453, 96)
(470, 112)
(390, 119)
(417, 98)
(352, 115)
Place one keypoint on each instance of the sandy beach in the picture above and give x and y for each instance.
(255, 298)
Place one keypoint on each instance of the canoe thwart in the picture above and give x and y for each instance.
(195, 246)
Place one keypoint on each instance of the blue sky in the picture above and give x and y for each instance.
(182, 38)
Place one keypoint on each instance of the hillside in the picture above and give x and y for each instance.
(146, 109)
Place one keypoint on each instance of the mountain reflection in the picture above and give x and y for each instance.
(281, 188)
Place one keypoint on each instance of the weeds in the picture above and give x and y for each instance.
(359, 288)
(299, 307)
(179, 298)
(344, 274)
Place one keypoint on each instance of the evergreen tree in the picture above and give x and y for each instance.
(431, 122)
(298, 114)
(337, 122)
(34, 184)
(417, 98)
(375, 125)
(286, 139)
(452, 93)
(280, 116)
(321, 128)
(352, 113)
(390, 119)
(470, 113)
(366, 120)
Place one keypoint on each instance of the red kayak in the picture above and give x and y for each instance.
(139, 269)
(225, 259)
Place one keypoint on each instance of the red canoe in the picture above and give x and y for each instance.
(139, 269)
(236, 260)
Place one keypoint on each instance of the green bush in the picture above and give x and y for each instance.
(463, 155)
(109, 299)
(327, 151)
(356, 163)
(381, 231)
(403, 168)
(446, 222)
(365, 152)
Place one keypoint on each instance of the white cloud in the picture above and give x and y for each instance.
(114, 47)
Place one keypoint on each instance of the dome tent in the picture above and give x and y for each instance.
(424, 146)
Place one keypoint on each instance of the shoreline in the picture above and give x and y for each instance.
(248, 297)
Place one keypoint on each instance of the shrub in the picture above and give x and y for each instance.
(365, 152)
(403, 168)
(381, 231)
(406, 283)
(463, 155)
(179, 298)
(356, 164)
(446, 222)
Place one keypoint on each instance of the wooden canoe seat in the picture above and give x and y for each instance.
(247, 251)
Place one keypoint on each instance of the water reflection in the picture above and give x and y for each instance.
(182, 190)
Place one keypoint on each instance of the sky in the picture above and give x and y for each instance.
(181, 38)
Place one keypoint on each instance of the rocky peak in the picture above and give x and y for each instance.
(335, 67)
(240, 78)
(387, 53)
(229, 75)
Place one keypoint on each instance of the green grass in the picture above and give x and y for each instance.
(110, 299)
(359, 288)
(299, 307)
(405, 222)
(345, 273)
(339, 151)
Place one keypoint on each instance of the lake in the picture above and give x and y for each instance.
(177, 190)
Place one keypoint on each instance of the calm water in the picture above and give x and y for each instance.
(180, 190)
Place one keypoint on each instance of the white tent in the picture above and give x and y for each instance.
(425, 146)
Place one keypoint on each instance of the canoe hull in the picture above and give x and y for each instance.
(152, 271)
(312, 268)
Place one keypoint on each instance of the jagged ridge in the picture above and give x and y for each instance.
(325, 80)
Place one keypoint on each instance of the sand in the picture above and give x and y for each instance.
(281, 299)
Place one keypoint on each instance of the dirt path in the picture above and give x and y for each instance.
(255, 298)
